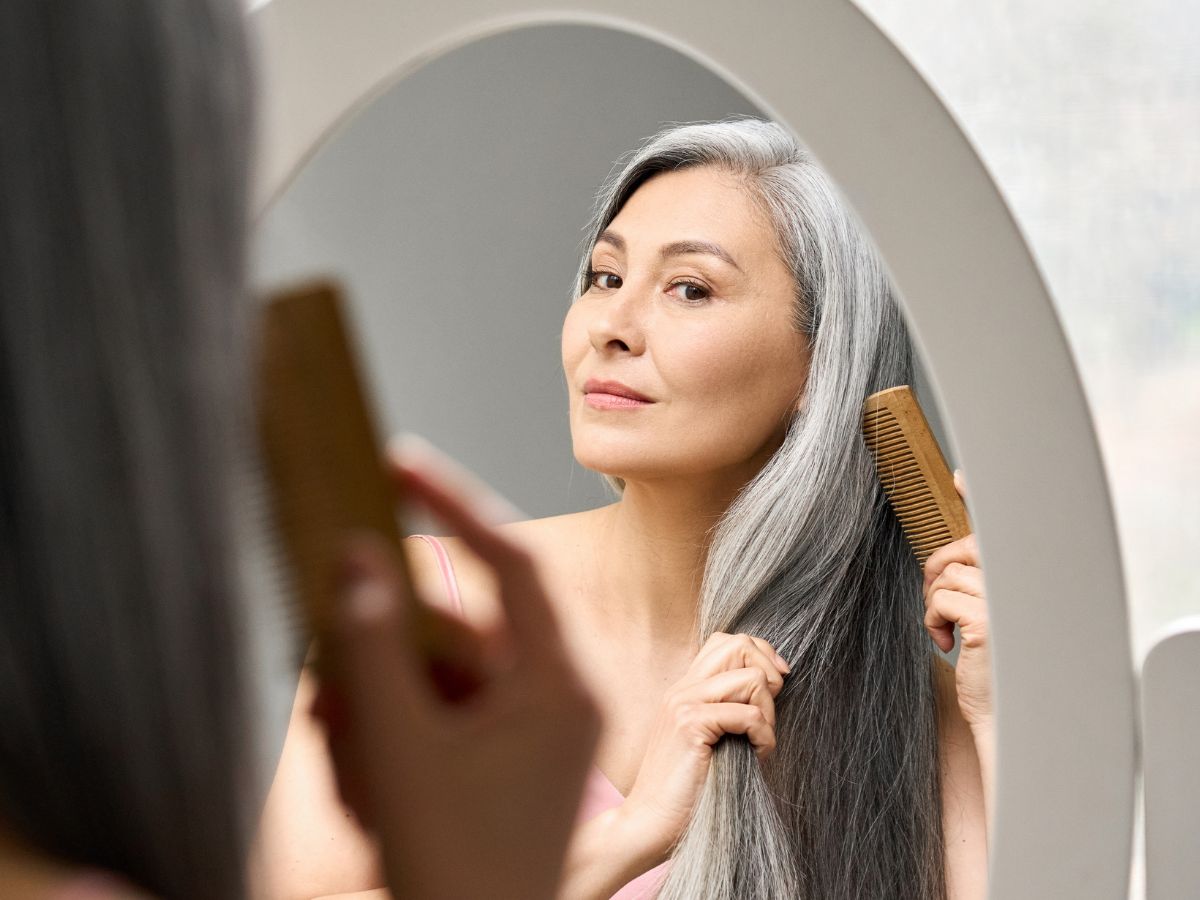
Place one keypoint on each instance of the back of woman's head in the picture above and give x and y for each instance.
(123, 169)
(810, 557)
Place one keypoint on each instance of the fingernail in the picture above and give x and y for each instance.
(408, 445)
(787, 667)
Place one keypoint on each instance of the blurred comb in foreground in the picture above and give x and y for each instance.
(913, 471)
(325, 466)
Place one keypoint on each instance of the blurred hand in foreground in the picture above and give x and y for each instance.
(467, 769)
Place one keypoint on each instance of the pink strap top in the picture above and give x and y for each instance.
(599, 794)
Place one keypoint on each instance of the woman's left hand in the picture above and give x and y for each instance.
(954, 595)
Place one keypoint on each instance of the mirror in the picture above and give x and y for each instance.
(453, 206)
(1038, 494)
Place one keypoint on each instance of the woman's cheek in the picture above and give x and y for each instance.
(574, 342)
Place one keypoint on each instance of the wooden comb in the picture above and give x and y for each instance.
(322, 455)
(913, 471)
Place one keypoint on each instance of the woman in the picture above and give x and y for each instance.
(127, 751)
(751, 579)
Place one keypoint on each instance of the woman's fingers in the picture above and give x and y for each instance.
(945, 608)
(737, 651)
(329, 709)
(374, 624)
(532, 624)
(413, 451)
(738, 718)
(455, 655)
(747, 686)
(377, 669)
(771, 652)
(959, 577)
(964, 550)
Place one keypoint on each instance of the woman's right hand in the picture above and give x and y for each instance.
(468, 797)
(730, 688)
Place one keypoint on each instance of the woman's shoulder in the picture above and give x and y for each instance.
(552, 536)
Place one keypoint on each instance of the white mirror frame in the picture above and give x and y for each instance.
(981, 316)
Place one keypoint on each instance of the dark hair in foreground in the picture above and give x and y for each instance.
(811, 558)
(124, 733)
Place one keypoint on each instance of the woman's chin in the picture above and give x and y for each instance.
(615, 465)
(607, 470)
(628, 466)
(647, 458)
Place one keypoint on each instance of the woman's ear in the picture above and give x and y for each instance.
(801, 397)
(802, 393)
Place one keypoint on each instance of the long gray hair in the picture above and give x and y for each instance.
(811, 558)
(123, 212)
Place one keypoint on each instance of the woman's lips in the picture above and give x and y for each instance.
(600, 400)
(600, 393)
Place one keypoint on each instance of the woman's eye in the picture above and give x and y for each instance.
(688, 292)
(606, 281)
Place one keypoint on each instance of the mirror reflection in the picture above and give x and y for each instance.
(453, 206)
(672, 394)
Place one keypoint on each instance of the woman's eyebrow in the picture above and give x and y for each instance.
(677, 248)
(683, 248)
(608, 236)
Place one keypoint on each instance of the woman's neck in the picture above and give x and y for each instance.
(650, 549)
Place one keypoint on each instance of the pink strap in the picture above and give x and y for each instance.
(447, 570)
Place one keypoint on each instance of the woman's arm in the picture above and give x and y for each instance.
(955, 596)
(965, 791)
(606, 852)
(309, 844)
(468, 796)
(985, 745)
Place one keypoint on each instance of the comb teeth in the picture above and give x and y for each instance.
(320, 464)
(319, 457)
(913, 472)
(264, 568)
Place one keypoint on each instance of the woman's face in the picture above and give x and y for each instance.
(690, 306)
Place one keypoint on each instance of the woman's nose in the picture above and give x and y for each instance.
(619, 325)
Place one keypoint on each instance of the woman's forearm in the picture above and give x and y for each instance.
(985, 748)
(606, 852)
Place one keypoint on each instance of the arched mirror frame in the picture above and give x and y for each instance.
(980, 313)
